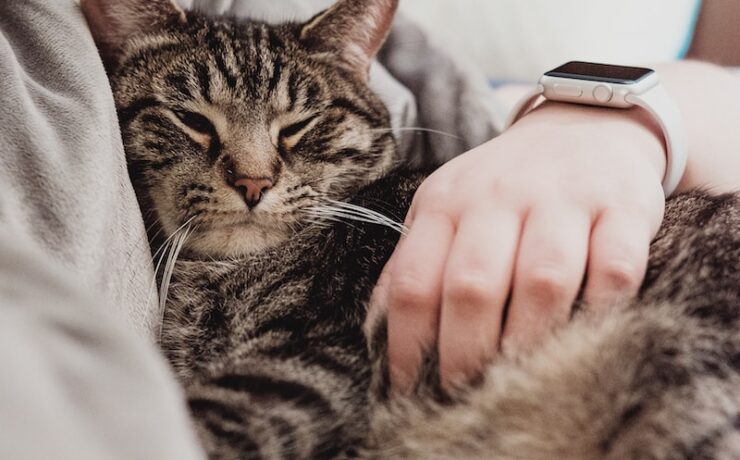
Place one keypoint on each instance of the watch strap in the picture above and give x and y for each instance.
(663, 109)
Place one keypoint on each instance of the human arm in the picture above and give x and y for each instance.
(569, 192)
(79, 379)
(709, 99)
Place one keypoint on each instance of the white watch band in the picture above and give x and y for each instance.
(661, 107)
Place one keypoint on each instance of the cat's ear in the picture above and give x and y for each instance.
(351, 32)
(112, 22)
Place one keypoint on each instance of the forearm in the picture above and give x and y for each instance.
(709, 99)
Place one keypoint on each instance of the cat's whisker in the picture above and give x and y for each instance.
(367, 213)
(385, 207)
(163, 251)
(159, 255)
(325, 215)
(370, 221)
(188, 222)
(326, 210)
(339, 211)
(418, 130)
(329, 217)
(318, 223)
(174, 250)
(176, 247)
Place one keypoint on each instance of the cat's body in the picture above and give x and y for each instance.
(243, 139)
(256, 339)
(276, 351)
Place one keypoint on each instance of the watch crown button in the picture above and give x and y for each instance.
(603, 94)
(568, 90)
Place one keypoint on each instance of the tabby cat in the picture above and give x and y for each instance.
(246, 142)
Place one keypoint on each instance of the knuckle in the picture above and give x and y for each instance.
(505, 187)
(621, 275)
(549, 286)
(470, 290)
(408, 291)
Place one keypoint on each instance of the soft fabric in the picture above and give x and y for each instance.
(454, 103)
(63, 178)
(74, 383)
(81, 378)
(77, 382)
(518, 40)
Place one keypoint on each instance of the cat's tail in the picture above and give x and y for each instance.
(637, 383)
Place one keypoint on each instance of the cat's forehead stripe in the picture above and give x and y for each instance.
(204, 80)
(220, 51)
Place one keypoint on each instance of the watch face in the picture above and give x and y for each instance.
(600, 72)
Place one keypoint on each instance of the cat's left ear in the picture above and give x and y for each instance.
(351, 32)
(113, 22)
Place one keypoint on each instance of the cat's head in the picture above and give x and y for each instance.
(237, 129)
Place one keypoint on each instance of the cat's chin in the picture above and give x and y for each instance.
(234, 242)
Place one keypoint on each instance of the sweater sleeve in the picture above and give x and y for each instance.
(78, 380)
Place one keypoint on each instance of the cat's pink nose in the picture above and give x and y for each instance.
(253, 189)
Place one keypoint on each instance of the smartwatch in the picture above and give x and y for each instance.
(617, 87)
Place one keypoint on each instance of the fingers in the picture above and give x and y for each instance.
(453, 293)
(378, 305)
(620, 243)
(414, 295)
(475, 288)
(549, 271)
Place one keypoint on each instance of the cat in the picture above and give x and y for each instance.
(250, 145)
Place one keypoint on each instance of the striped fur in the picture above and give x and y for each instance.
(273, 106)
(265, 309)
(275, 354)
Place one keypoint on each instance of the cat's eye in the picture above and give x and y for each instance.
(291, 130)
(196, 122)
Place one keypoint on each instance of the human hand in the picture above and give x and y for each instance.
(569, 192)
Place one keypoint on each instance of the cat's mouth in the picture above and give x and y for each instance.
(244, 221)
(233, 220)
(234, 231)
(235, 235)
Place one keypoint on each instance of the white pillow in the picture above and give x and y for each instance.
(520, 39)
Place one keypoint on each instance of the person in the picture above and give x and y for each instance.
(570, 193)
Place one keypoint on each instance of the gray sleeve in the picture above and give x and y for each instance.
(63, 178)
(74, 383)
(78, 381)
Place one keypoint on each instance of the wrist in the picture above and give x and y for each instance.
(707, 96)
(631, 131)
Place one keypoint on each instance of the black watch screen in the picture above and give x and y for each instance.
(600, 72)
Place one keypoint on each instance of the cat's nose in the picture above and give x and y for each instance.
(253, 189)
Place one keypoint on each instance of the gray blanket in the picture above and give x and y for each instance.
(81, 378)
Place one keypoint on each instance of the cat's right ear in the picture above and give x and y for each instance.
(350, 33)
(112, 22)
